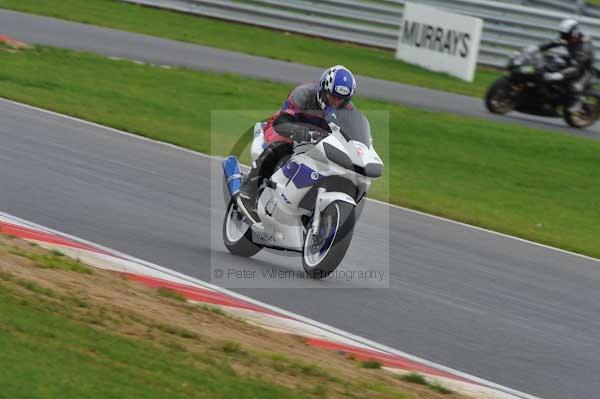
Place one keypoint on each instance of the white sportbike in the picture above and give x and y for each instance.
(309, 205)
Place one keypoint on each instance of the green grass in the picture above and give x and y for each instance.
(64, 346)
(171, 294)
(36, 288)
(441, 389)
(232, 348)
(248, 39)
(534, 184)
(46, 355)
(283, 363)
(416, 378)
(370, 364)
(214, 309)
(55, 260)
(177, 331)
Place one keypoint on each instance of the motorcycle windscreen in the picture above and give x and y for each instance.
(354, 126)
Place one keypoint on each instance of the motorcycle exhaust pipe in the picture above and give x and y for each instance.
(233, 176)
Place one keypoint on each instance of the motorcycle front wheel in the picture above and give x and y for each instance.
(325, 249)
(500, 97)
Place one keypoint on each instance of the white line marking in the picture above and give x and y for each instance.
(218, 158)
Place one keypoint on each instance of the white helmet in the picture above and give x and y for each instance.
(569, 29)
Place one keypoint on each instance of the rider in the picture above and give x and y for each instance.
(302, 118)
(577, 74)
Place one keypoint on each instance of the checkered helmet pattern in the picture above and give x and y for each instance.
(337, 81)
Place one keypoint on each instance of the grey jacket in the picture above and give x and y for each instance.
(581, 56)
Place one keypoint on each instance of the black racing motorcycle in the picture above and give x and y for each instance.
(524, 90)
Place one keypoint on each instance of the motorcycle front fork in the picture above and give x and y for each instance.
(316, 222)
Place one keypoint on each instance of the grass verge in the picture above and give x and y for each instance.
(416, 378)
(171, 294)
(370, 364)
(53, 260)
(530, 183)
(69, 335)
(252, 40)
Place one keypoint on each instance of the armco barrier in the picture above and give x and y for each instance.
(507, 27)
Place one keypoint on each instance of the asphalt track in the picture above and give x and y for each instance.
(110, 42)
(515, 313)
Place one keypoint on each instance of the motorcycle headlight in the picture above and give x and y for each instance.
(338, 156)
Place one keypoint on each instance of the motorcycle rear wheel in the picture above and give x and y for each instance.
(500, 98)
(237, 235)
(323, 251)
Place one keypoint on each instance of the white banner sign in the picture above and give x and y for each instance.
(439, 40)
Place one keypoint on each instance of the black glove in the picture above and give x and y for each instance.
(317, 136)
